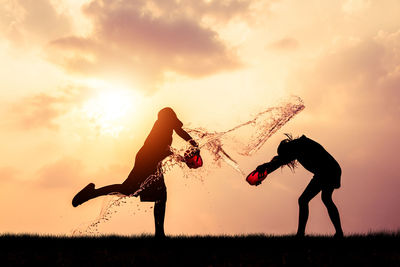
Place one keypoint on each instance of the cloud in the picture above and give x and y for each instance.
(216, 11)
(363, 75)
(285, 44)
(70, 172)
(41, 110)
(140, 41)
(61, 173)
(354, 6)
(24, 22)
(8, 173)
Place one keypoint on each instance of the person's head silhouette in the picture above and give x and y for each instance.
(286, 151)
(284, 148)
(167, 115)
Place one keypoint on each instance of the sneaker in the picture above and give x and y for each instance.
(83, 195)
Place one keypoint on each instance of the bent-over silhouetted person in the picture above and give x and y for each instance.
(147, 162)
(327, 172)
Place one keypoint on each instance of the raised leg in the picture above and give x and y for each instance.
(89, 192)
(108, 189)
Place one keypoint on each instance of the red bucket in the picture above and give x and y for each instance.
(193, 159)
(255, 177)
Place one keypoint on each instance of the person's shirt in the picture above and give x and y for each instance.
(313, 156)
(160, 137)
(310, 154)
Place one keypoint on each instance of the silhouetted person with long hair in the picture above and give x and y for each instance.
(314, 158)
(147, 163)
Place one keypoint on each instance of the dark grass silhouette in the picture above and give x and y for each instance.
(378, 249)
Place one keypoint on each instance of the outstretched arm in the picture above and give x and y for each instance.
(274, 164)
(271, 166)
(185, 136)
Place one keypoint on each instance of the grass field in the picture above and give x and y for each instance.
(257, 250)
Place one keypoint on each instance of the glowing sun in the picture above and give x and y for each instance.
(109, 109)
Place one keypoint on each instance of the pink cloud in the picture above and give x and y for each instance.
(41, 110)
(219, 11)
(67, 172)
(8, 173)
(284, 44)
(140, 41)
(60, 173)
(365, 76)
(28, 21)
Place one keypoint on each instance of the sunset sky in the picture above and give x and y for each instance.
(82, 81)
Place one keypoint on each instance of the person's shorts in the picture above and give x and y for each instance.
(146, 166)
(155, 191)
(328, 180)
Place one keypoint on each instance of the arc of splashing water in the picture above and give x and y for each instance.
(211, 141)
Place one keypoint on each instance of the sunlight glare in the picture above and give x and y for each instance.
(109, 110)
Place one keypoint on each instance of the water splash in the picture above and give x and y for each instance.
(249, 136)
(245, 139)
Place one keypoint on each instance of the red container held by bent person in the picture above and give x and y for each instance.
(256, 177)
(193, 159)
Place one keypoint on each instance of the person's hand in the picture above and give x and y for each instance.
(193, 143)
(261, 168)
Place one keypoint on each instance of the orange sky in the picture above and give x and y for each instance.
(82, 81)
